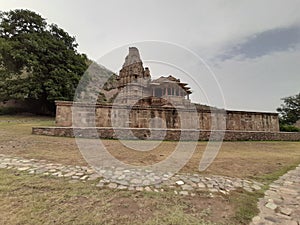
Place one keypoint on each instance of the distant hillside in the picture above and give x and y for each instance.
(98, 83)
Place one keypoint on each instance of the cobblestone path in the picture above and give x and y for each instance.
(281, 203)
(134, 179)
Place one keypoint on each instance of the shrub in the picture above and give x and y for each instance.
(11, 110)
(289, 128)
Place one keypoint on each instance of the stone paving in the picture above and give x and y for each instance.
(133, 179)
(281, 203)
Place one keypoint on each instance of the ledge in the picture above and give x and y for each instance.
(165, 134)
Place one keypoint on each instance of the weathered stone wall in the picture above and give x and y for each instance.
(170, 134)
(252, 121)
(140, 117)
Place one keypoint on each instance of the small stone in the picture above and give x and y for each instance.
(286, 211)
(2, 166)
(157, 178)
(112, 185)
(148, 189)
(73, 181)
(187, 187)
(146, 182)
(130, 188)
(201, 185)
(99, 185)
(256, 219)
(23, 168)
(256, 187)
(94, 176)
(79, 174)
(121, 177)
(277, 201)
(184, 193)
(84, 177)
(195, 179)
(223, 192)
(213, 190)
(209, 185)
(139, 188)
(135, 181)
(118, 173)
(271, 205)
(248, 189)
(179, 182)
(102, 171)
(56, 174)
(90, 171)
(69, 174)
(122, 187)
(237, 184)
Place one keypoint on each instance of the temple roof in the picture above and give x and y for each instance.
(170, 80)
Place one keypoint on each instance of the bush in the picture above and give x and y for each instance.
(289, 128)
(11, 110)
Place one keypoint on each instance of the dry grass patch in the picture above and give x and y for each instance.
(27, 199)
(236, 159)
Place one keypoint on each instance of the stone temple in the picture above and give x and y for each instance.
(134, 84)
(143, 105)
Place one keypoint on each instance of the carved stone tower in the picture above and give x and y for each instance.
(133, 80)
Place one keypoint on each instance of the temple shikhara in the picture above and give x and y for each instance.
(135, 84)
(143, 107)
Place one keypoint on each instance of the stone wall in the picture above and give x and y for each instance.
(170, 134)
(140, 117)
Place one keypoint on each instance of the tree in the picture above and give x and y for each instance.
(289, 112)
(38, 61)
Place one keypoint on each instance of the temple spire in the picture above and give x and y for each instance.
(132, 57)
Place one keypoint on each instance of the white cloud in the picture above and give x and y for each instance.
(260, 83)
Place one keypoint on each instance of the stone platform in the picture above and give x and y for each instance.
(165, 134)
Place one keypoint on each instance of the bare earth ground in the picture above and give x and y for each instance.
(42, 200)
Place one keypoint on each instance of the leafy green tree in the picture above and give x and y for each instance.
(289, 111)
(38, 61)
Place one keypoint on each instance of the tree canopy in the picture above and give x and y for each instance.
(38, 61)
(289, 111)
